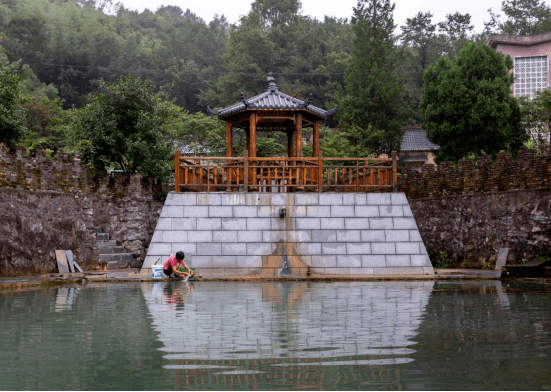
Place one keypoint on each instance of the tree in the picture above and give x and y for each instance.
(467, 107)
(375, 93)
(523, 17)
(11, 112)
(126, 126)
(536, 116)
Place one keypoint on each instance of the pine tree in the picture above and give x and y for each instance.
(375, 93)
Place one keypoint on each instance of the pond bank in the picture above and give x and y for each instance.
(127, 275)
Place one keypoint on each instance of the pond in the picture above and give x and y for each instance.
(277, 335)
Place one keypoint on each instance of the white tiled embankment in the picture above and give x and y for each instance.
(334, 233)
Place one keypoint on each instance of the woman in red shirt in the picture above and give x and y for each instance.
(172, 266)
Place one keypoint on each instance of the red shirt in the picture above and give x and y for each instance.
(171, 261)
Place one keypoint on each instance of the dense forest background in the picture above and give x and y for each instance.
(64, 49)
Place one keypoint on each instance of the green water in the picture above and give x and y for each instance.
(277, 335)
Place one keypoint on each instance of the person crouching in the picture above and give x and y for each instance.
(172, 266)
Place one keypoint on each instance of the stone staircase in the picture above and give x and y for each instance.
(111, 254)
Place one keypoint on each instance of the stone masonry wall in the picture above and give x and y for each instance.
(53, 204)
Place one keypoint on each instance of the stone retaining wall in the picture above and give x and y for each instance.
(226, 234)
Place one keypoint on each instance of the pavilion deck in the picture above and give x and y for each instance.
(284, 174)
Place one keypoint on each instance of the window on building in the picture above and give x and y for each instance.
(531, 75)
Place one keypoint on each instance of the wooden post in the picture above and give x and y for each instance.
(320, 171)
(246, 170)
(229, 139)
(177, 171)
(290, 134)
(298, 134)
(394, 172)
(316, 139)
(252, 135)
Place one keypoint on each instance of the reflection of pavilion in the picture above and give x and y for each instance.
(245, 333)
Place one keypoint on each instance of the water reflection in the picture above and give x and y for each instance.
(290, 330)
(65, 298)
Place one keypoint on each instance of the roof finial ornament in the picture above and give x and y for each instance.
(243, 99)
(309, 100)
(271, 82)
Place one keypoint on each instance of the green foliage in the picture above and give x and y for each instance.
(202, 134)
(11, 114)
(126, 126)
(536, 117)
(345, 143)
(441, 260)
(375, 90)
(523, 261)
(523, 17)
(467, 106)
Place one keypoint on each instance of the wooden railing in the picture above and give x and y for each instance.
(215, 174)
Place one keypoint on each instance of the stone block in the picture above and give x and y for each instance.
(297, 211)
(307, 223)
(324, 235)
(381, 223)
(224, 236)
(209, 249)
(357, 223)
(220, 212)
(404, 223)
(303, 199)
(164, 224)
(224, 262)
(282, 224)
(332, 223)
(358, 248)
(196, 211)
(257, 199)
(317, 271)
(420, 261)
(324, 261)
(299, 236)
(414, 235)
(399, 198)
(249, 261)
(428, 270)
(372, 261)
(258, 224)
(407, 211)
(390, 211)
(398, 271)
(422, 248)
(157, 249)
(234, 224)
(150, 260)
(366, 211)
(172, 212)
(407, 248)
(209, 199)
(372, 236)
(354, 199)
(174, 236)
(209, 224)
(213, 273)
(337, 271)
(187, 247)
(184, 224)
(333, 248)
(361, 271)
(347, 261)
(331, 199)
(200, 236)
(267, 211)
(274, 236)
(378, 198)
(157, 236)
(233, 248)
(259, 249)
(348, 236)
(383, 248)
(342, 211)
(233, 199)
(398, 261)
(318, 211)
(245, 211)
(180, 199)
(249, 236)
(283, 199)
(396, 235)
(308, 248)
(202, 262)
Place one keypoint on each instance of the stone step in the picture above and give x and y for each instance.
(126, 257)
(105, 244)
(102, 236)
(117, 264)
(97, 229)
(111, 249)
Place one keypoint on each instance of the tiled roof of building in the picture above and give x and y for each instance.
(524, 40)
(272, 99)
(415, 139)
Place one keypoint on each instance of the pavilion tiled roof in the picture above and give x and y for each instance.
(415, 139)
(272, 99)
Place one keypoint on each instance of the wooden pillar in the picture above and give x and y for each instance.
(252, 135)
(298, 134)
(177, 171)
(316, 139)
(290, 134)
(229, 139)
